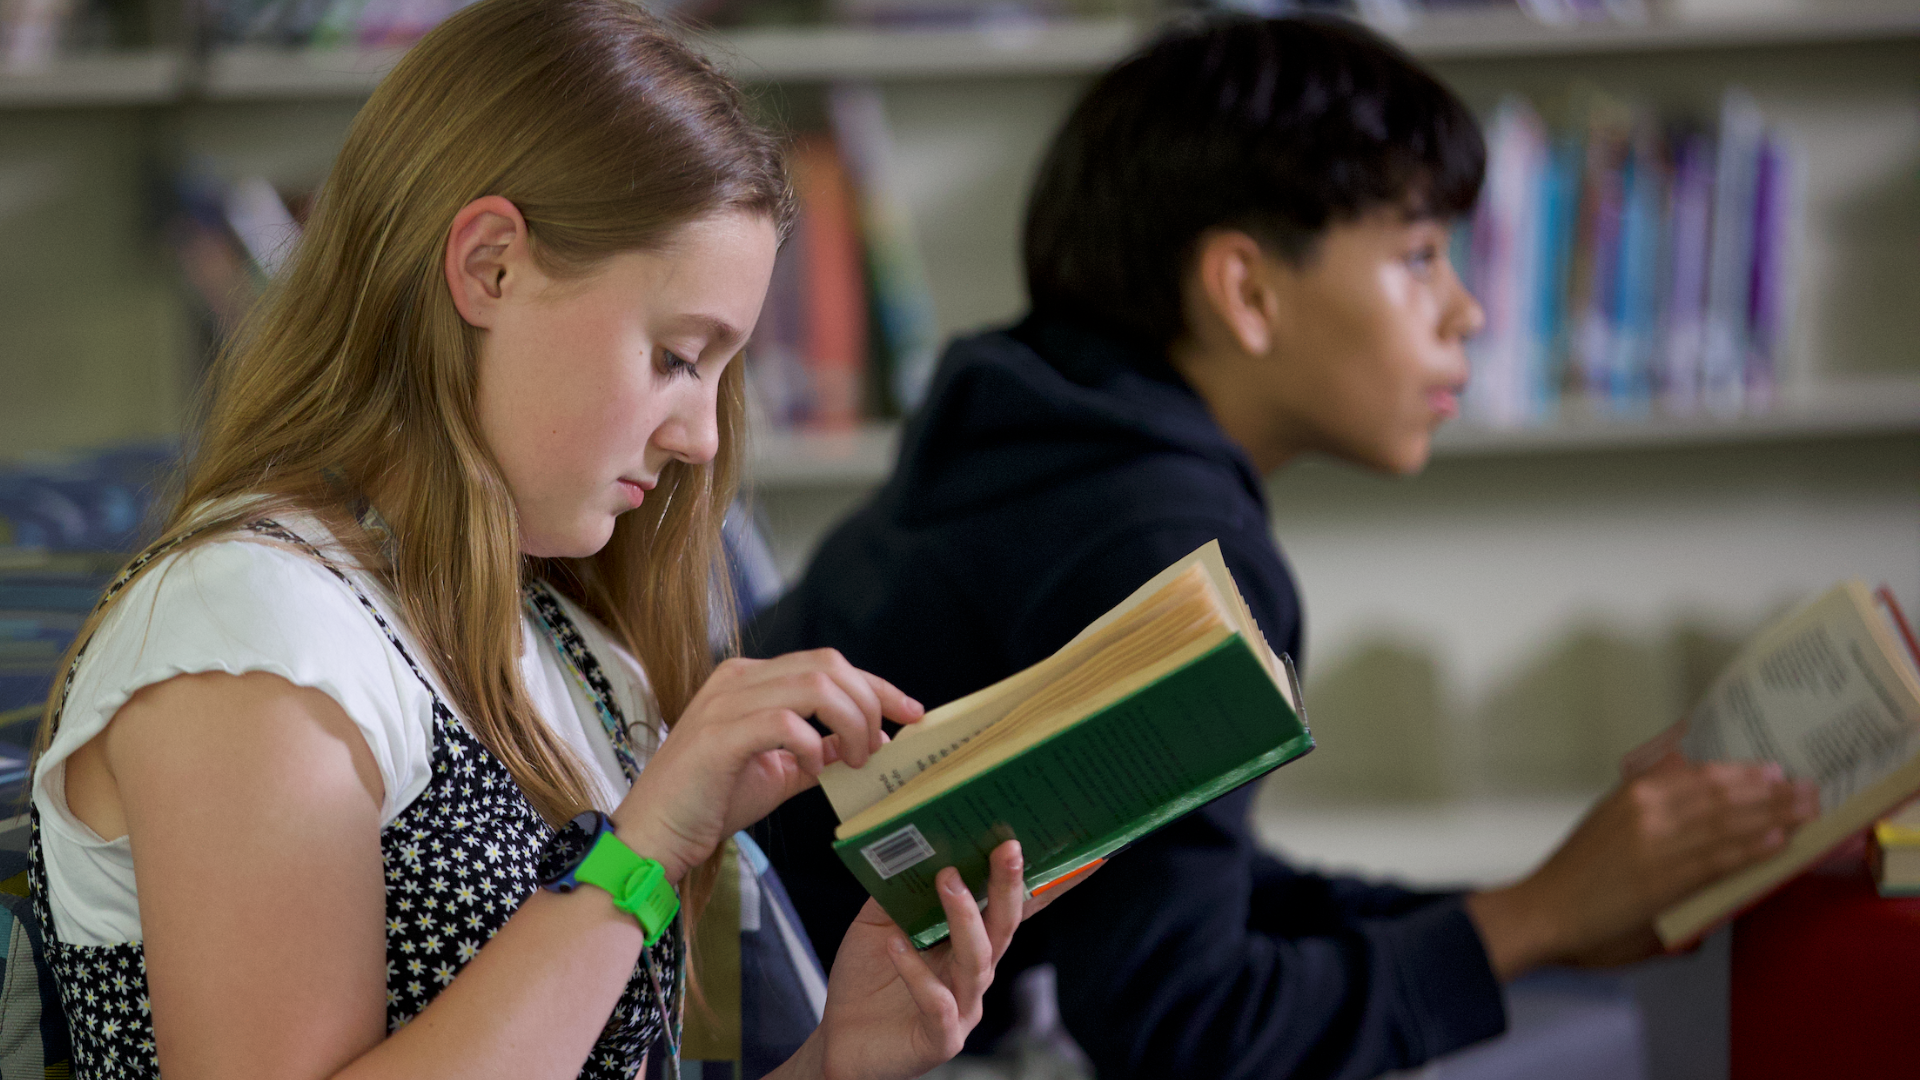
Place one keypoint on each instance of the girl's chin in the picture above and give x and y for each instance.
(584, 540)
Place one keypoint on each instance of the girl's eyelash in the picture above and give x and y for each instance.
(677, 365)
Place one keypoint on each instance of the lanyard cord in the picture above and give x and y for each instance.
(580, 663)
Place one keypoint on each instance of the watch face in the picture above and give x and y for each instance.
(568, 846)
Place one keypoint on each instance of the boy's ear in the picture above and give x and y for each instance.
(1233, 286)
(486, 255)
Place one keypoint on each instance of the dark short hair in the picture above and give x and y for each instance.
(1280, 127)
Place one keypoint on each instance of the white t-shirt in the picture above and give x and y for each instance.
(245, 604)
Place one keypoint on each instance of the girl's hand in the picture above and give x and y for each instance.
(744, 746)
(894, 1012)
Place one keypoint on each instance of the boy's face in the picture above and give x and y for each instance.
(1368, 353)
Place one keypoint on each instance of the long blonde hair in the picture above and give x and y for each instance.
(354, 373)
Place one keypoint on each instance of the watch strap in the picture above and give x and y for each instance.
(637, 884)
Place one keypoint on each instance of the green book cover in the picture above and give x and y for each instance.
(1089, 790)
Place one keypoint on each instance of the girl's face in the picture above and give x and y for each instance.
(589, 387)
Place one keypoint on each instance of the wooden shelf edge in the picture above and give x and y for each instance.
(824, 53)
(865, 456)
(790, 459)
(1841, 411)
(811, 54)
(1505, 35)
(142, 77)
(260, 72)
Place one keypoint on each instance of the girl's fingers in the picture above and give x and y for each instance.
(780, 729)
(814, 694)
(858, 688)
(894, 703)
(1006, 896)
(970, 964)
(929, 994)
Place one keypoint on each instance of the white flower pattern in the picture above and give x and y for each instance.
(471, 834)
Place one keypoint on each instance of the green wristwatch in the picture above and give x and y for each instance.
(585, 851)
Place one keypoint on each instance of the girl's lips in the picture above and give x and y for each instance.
(635, 490)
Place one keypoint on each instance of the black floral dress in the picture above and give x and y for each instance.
(459, 861)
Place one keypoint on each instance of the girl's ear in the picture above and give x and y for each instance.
(486, 256)
(1230, 267)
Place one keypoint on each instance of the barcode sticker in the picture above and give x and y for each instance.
(897, 851)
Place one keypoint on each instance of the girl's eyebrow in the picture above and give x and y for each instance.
(719, 331)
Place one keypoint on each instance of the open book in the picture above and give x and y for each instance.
(1832, 694)
(1163, 704)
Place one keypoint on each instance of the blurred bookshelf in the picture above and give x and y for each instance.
(997, 49)
(864, 456)
(792, 54)
(859, 457)
(143, 77)
(263, 72)
(102, 333)
(1505, 33)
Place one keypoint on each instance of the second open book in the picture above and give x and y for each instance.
(1163, 704)
(1830, 693)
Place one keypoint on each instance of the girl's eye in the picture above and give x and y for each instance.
(677, 365)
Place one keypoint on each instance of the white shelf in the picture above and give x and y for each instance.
(790, 459)
(258, 73)
(865, 456)
(1510, 34)
(1854, 410)
(130, 78)
(815, 54)
(1482, 841)
(1016, 48)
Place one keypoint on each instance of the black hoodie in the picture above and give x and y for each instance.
(1052, 471)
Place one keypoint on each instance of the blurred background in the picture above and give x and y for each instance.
(1696, 402)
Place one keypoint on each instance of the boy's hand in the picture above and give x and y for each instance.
(1653, 841)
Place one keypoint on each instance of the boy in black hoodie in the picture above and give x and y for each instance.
(1236, 253)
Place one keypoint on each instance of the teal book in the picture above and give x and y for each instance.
(1164, 704)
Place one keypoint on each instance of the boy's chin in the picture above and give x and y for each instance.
(1403, 456)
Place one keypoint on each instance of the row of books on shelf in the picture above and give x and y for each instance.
(35, 32)
(327, 24)
(847, 331)
(1630, 263)
(1627, 264)
(1895, 853)
(64, 524)
(848, 328)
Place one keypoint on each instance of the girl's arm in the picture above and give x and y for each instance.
(253, 808)
(254, 812)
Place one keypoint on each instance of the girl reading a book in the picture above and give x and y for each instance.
(363, 768)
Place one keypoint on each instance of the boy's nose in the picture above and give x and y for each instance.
(1464, 316)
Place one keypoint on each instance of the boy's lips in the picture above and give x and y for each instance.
(1444, 401)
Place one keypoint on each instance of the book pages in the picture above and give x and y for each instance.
(1832, 696)
(943, 731)
(1825, 694)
